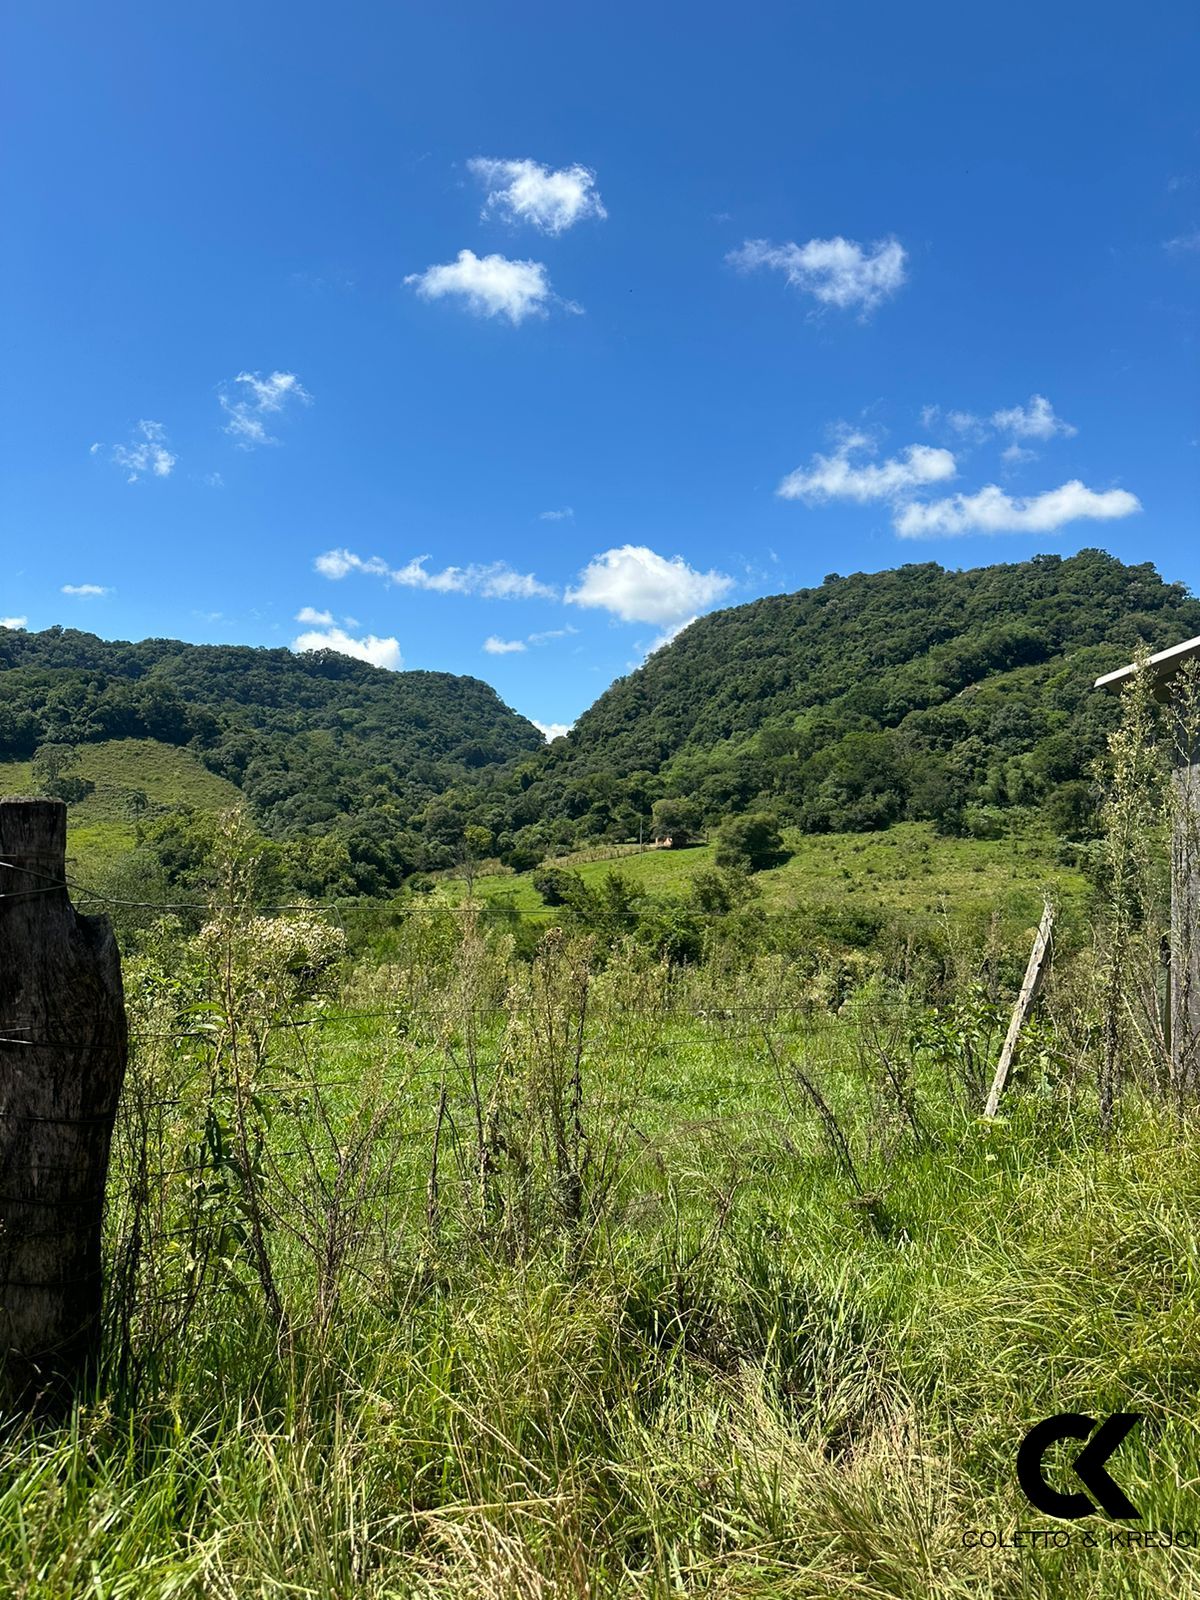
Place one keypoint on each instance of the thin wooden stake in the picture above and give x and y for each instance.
(1024, 1005)
(1183, 995)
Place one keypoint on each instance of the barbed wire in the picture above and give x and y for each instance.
(494, 905)
(90, 893)
(718, 1034)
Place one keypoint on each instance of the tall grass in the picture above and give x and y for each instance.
(669, 1324)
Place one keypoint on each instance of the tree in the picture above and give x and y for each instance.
(750, 843)
(521, 856)
(608, 908)
(672, 931)
(318, 865)
(854, 785)
(477, 842)
(718, 890)
(676, 818)
(53, 770)
(935, 792)
(1071, 810)
(555, 885)
(52, 760)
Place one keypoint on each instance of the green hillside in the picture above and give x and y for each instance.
(122, 768)
(131, 777)
(912, 694)
(961, 700)
(318, 746)
(303, 737)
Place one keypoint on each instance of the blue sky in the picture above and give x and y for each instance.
(504, 340)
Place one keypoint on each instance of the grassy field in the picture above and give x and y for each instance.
(166, 774)
(909, 870)
(581, 1292)
(101, 827)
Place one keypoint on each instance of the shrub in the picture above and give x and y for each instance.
(1071, 810)
(671, 931)
(555, 884)
(718, 890)
(983, 822)
(750, 843)
(675, 818)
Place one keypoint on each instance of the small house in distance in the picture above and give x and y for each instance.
(1183, 1007)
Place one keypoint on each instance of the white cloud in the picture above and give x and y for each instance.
(257, 399)
(495, 580)
(85, 590)
(315, 618)
(496, 646)
(491, 286)
(992, 511)
(836, 477)
(13, 622)
(146, 453)
(271, 393)
(837, 272)
(525, 191)
(1033, 421)
(379, 652)
(565, 514)
(552, 730)
(1184, 243)
(337, 563)
(637, 585)
(967, 423)
(964, 422)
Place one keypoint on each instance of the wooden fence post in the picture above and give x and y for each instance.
(62, 1063)
(1182, 1022)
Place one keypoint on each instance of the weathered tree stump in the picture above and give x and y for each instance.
(62, 1063)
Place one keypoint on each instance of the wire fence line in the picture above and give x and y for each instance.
(435, 1071)
(379, 1075)
(427, 1027)
(52, 883)
(333, 908)
(759, 1016)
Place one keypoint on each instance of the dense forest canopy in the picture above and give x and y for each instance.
(308, 739)
(917, 693)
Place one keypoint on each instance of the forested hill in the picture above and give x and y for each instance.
(916, 692)
(308, 739)
(913, 694)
